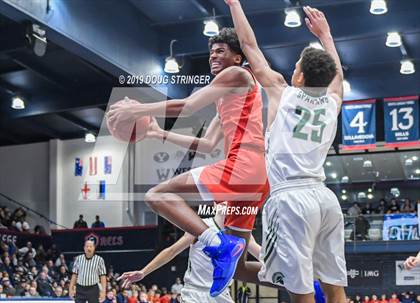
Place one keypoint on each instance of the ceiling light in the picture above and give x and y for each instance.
(370, 196)
(378, 7)
(395, 192)
(333, 175)
(361, 195)
(18, 103)
(346, 86)
(414, 158)
(90, 138)
(292, 19)
(367, 164)
(417, 171)
(343, 191)
(393, 40)
(344, 179)
(171, 66)
(408, 162)
(211, 28)
(369, 190)
(407, 67)
(343, 197)
(316, 45)
(328, 163)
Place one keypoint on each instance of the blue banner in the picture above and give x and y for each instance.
(401, 116)
(359, 124)
(400, 227)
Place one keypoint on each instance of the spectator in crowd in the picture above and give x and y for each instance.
(374, 299)
(98, 223)
(394, 298)
(44, 287)
(33, 293)
(366, 299)
(393, 207)
(417, 299)
(407, 207)
(383, 299)
(151, 294)
(354, 210)
(382, 207)
(122, 297)
(367, 209)
(176, 288)
(143, 297)
(358, 299)
(61, 261)
(110, 297)
(39, 230)
(134, 297)
(165, 298)
(58, 292)
(8, 288)
(26, 249)
(361, 228)
(52, 252)
(407, 299)
(80, 223)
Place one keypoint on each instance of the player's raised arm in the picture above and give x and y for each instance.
(259, 65)
(318, 25)
(231, 80)
(161, 259)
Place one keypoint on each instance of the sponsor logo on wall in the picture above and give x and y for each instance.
(406, 277)
(361, 273)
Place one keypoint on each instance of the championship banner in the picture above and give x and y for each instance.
(401, 116)
(406, 277)
(400, 227)
(359, 124)
(361, 273)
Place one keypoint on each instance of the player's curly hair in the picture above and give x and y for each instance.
(228, 35)
(318, 67)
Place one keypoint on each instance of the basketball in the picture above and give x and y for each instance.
(129, 131)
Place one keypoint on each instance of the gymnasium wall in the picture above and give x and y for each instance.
(24, 177)
(66, 188)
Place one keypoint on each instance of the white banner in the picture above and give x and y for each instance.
(406, 277)
(158, 161)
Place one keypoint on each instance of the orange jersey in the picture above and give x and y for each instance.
(241, 178)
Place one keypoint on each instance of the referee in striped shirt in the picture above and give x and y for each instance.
(88, 271)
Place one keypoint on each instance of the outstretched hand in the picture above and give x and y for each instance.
(130, 277)
(316, 22)
(411, 262)
(230, 2)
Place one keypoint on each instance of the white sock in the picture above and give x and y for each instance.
(209, 237)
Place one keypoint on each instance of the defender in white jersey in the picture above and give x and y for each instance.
(302, 221)
(198, 277)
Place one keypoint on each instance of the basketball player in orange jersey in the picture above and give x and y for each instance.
(240, 178)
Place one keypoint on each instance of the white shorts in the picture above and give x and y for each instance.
(191, 294)
(303, 237)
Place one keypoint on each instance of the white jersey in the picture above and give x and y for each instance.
(300, 136)
(200, 270)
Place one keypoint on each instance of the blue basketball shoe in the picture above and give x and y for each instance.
(224, 258)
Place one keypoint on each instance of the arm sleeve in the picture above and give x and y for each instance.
(75, 268)
(102, 269)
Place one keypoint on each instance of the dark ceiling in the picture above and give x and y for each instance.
(67, 90)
